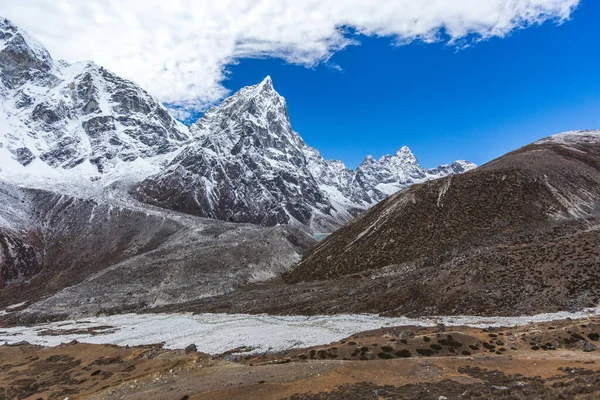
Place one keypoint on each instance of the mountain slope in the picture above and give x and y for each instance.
(71, 256)
(520, 232)
(248, 165)
(517, 235)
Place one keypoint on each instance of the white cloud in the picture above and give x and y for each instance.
(178, 49)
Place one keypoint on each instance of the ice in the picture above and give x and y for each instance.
(217, 333)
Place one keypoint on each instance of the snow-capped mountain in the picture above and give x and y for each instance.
(78, 119)
(248, 165)
(374, 180)
(81, 126)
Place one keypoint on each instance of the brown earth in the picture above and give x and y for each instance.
(519, 234)
(541, 361)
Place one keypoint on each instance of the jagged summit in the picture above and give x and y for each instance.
(267, 82)
(22, 57)
(265, 173)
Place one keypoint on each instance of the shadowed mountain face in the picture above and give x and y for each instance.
(73, 256)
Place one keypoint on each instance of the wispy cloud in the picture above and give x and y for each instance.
(179, 49)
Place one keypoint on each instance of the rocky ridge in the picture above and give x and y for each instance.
(248, 165)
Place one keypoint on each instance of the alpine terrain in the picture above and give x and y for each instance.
(248, 165)
(105, 196)
(517, 235)
(141, 258)
(73, 139)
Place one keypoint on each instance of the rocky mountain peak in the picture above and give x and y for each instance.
(80, 117)
(266, 84)
(248, 165)
(22, 57)
(404, 154)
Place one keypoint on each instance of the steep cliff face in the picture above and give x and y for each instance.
(247, 166)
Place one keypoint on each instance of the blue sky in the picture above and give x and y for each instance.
(445, 104)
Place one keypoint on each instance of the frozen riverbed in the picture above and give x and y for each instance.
(217, 333)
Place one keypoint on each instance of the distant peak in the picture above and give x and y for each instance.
(6, 24)
(267, 81)
(404, 155)
(32, 53)
(404, 150)
(265, 85)
(368, 160)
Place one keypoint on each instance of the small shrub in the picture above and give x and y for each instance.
(426, 338)
(435, 346)
(387, 349)
(425, 352)
(450, 342)
(385, 356)
(403, 353)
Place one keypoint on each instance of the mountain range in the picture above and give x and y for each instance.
(518, 235)
(109, 203)
(72, 124)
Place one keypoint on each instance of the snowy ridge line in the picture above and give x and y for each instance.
(218, 333)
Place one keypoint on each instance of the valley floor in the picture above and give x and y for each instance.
(409, 359)
(218, 333)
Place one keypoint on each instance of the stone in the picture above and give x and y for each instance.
(191, 349)
(588, 347)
